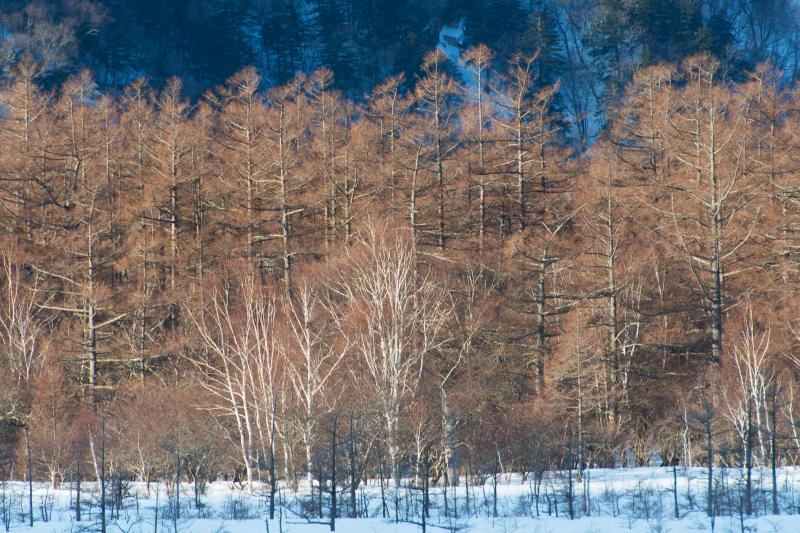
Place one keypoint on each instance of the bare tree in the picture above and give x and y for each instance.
(392, 318)
(240, 135)
(707, 204)
(545, 255)
(747, 389)
(171, 150)
(285, 121)
(527, 126)
(311, 359)
(264, 374)
(478, 61)
(227, 336)
(20, 322)
(433, 101)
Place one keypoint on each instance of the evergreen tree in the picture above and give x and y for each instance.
(669, 30)
(223, 45)
(498, 23)
(337, 49)
(159, 23)
(542, 36)
(716, 37)
(655, 23)
(610, 46)
(284, 37)
(391, 37)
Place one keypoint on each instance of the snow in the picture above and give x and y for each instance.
(451, 42)
(630, 500)
(451, 39)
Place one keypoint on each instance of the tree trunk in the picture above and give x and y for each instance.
(748, 460)
(103, 479)
(333, 476)
(177, 484)
(570, 489)
(520, 160)
(710, 459)
(716, 261)
(541, 339)
(78, 495)
(353, 508)
(449, 442)
(30, 475)
(774, 448)
(273, 482)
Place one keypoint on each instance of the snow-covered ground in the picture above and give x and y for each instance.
(638, 500)
(451, 41)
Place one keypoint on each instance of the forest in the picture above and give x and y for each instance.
(433, 282)
(592, 47)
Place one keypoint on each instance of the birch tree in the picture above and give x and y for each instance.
(226, 335)
(393, 319)
(749, 381)
(311, 359)
(21, 328)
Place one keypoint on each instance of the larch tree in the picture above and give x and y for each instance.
(84, 285)
(476, 116)
(171, 156)
(435, 109)
(136, 121)
(329, 119)
(518, 297)
(609, 279)
(28, 173)
(241, 138)
(527, 130)
(775, 118)
(384, 117)
(545, 256)
(285, 182)
(708, 198)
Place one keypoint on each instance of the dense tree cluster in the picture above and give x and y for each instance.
(434, 275)
(591, 46)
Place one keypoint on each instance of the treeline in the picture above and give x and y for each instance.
(430, 279)
(592, 47)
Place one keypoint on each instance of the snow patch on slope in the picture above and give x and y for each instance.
(452, 42)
